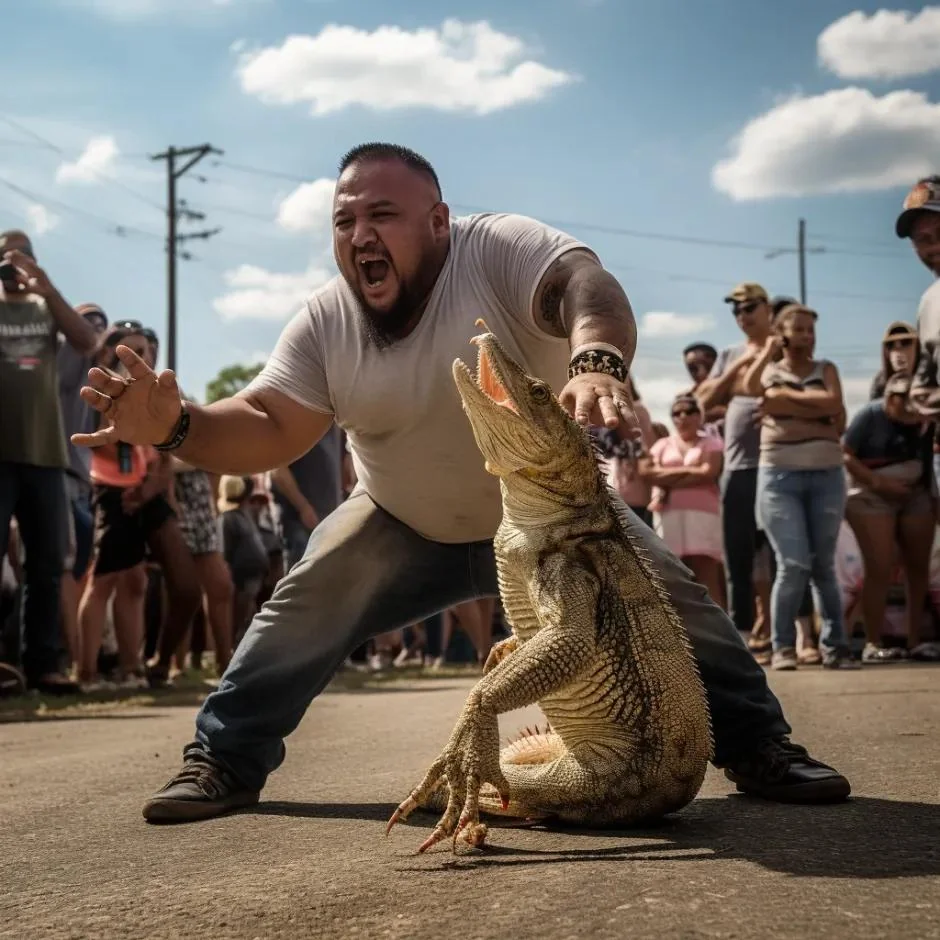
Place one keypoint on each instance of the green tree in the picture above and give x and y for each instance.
(230, 380)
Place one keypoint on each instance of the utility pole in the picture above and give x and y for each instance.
(801, 252)
(173, 212)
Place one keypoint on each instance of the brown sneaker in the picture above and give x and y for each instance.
(202, 789)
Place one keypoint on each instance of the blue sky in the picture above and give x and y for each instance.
(723, 121)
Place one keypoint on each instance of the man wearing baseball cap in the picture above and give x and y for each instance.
(920, 222)
(750, 306)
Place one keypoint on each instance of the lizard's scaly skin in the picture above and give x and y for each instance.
(596, 641)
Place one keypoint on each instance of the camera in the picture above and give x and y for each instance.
(8, 272)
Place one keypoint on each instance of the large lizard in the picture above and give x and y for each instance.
(596, 641)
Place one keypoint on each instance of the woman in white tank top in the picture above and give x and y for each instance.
(800, 481)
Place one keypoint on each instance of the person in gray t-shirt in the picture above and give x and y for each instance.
(742, 538)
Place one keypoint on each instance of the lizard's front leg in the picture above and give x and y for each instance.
(556, 655)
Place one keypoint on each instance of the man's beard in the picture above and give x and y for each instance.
(384, 327)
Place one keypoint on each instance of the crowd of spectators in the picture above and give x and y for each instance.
(817, 533)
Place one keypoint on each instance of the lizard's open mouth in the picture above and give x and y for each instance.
(490, 382)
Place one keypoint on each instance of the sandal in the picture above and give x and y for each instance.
(809, 656)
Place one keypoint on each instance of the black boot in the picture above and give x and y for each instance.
(784, 772)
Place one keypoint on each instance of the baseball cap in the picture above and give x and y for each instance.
(899, 330)
(898, 384)
(923, 197)
(747, 290)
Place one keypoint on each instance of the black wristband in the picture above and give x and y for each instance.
(179, 431)
(598, 360)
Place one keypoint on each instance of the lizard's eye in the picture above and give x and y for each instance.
(540, 394)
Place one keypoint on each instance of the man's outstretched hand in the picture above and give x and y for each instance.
(142, 409)
(599, 399)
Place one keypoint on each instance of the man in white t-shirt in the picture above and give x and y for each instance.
(373, 350)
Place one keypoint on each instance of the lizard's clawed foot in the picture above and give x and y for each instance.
(470, 759)
(499, 652)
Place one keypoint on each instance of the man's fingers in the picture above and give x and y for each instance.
(609, 411)
(102, 436)
(584, 405)
(136, 366)
(96, 399)
(106, 382)
(23, 261)
(167, 379)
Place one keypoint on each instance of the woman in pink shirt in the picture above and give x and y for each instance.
(684, 468)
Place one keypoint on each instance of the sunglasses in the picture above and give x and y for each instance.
(128, 324)
(898, 344)
(685, 412)
(746, 308)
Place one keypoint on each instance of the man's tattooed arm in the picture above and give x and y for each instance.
(577, 298)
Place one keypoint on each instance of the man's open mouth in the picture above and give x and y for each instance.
(374, 270)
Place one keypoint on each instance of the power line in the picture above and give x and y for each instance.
(115, 228)
(615, 230)
(102, 178)
(725, 282)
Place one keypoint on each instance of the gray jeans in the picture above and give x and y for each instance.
(363, 573)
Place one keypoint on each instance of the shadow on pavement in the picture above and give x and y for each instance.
(866, 837)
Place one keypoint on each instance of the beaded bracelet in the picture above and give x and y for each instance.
(179, 431)
(597, 360)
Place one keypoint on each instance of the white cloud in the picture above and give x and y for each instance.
(258, 294)
(887, 44)
(847, 140)
(41, 220)
(675, 324)
(308, 208)
(458, 67)
(97, 160)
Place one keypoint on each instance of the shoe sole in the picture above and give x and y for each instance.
(162, 811)
(834, 790)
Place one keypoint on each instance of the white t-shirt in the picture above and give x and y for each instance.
(412, 445)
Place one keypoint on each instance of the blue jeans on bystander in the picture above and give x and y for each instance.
(801, 512)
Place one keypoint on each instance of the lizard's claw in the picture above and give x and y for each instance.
(419, 793)
(470, 759)
(499, 652)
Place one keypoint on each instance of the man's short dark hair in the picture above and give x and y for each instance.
(375, 150)
(700, 347)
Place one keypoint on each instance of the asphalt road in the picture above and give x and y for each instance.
(77, 859)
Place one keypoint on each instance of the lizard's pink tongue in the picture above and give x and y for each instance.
(491, 384)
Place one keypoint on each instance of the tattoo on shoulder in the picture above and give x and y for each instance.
(551, 307)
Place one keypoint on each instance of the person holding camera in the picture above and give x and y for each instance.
(33, 455)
